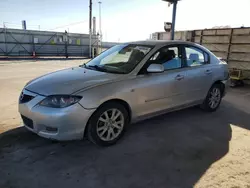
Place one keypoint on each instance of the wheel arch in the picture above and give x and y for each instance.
(122, 102)
(219, 82)
(116, 100)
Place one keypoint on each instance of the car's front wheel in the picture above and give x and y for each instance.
(213, 99)
(107, 124)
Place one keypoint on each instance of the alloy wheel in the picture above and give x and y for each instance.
(110, 124)
(215, 97)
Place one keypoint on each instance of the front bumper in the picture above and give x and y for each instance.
(54, 123)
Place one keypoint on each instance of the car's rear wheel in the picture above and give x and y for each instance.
(107, 124)
(213, 99)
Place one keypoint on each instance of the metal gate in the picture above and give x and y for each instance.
(16, 42)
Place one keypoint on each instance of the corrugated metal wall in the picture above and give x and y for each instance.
(15, 42)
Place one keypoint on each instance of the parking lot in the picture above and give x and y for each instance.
(188, 148)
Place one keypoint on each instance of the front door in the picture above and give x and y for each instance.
(160, 91)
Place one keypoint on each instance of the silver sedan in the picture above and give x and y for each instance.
(126, 83)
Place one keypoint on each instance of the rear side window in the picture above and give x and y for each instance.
(195, 57)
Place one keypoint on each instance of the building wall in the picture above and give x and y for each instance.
(161, 36)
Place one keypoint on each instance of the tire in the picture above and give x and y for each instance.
(207, 103)
(101, 124)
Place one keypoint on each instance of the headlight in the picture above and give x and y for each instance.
(60, 101)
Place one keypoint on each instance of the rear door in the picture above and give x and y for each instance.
(198, 73)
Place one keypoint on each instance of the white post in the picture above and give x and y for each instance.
(100, 24)
(90, 28)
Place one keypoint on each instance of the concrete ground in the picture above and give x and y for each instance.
(188, 148)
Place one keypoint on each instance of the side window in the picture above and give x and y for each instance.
(195, 57)
(168, 57)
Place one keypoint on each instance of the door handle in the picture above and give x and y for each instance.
(208, 71)
(179, 77)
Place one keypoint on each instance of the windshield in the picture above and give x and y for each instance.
(119, 59)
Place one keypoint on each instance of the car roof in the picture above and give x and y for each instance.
(160, 42)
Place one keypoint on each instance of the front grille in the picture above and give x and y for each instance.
(25, 98)
(28, 122)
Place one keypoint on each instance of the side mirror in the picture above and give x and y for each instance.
(155, 68)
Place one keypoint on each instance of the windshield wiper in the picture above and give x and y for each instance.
(96, 67)
(103, 68)
(83, 65)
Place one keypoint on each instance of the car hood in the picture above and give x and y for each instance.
(69, 81)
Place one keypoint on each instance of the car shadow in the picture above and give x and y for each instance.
(172, 150)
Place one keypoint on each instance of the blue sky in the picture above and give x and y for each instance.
(125, 20)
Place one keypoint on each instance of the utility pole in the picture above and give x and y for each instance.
(95, 42)
(90, 28)
(173, 20)
(174, 2)
(100, 24)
